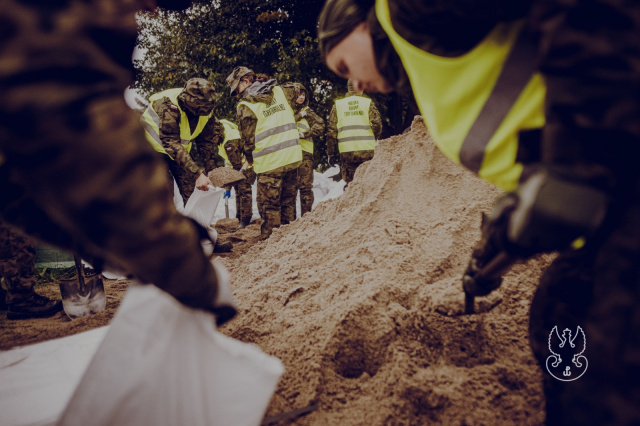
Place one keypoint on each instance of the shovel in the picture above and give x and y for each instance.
(84, 295)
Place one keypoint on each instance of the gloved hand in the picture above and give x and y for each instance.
(227, 194)
(548, 212)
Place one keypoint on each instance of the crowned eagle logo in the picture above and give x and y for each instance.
(566, 361)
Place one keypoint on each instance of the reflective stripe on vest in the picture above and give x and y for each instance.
(231, 132)
(354, 127)
(303, 127)
(476, 104)
(151, 122)
(276, 137)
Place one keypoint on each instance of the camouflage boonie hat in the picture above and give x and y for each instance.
(234, 78)
(201, 89)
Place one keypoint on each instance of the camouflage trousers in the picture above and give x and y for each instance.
(597, 289)
(349, 162)
(244, 197)
(276, 199)
(305, 182)
(185, 180)
(17, 263)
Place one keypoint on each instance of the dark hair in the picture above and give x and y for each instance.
(338, 19)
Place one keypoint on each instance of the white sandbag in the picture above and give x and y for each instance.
(177, 197)
(164, 364)
(202, 205)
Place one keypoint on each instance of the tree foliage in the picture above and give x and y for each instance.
(208, 40)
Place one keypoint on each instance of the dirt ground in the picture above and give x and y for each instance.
(361, 300)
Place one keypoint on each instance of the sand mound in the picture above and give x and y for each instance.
(351, 298)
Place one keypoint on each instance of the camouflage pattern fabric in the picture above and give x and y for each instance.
(236, 75)
(77, 170)
(332, 127)
(17, 264)
(247, 121)
(589, 55)
(196, 97)
(244, 193)
(316, 128)
(350, 161)
(305, 183)
(275, 191)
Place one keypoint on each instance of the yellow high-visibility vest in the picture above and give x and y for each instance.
(276, 137)
(151, 122)
(231, 132)
(303, 127)
(354, 127)
(476, 104)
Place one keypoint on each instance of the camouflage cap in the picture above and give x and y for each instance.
(234, 78)
(199, 88)
(198, 96)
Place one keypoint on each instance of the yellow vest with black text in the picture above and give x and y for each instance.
(354, 127)
(231, 132)
(475, 105)
(303, 127)
(151, 122)
(276, 135)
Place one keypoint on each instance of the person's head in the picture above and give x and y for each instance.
(347, 46)
(239, 79)
(301, 99)
(198, 97)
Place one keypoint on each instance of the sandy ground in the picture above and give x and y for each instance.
(360, 299)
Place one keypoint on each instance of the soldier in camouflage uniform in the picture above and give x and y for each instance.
(276, 187)
(349, 161)
(196, 100)
(75, 168)
(244, 194)
(313, 128)
(589, 55)
(17, 269)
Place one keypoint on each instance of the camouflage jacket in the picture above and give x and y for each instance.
(247, 120)
(76, 169)
(316, 123)
(206, 142)
(332, 127)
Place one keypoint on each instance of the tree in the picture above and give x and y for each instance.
(208, 40)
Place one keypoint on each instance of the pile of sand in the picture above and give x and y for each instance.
(351, 298)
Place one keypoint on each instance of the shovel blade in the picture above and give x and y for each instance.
(79, 301)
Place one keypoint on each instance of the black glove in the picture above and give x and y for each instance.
(547, 213)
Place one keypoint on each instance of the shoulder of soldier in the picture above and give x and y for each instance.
(166, 106)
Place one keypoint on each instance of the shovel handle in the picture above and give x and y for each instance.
(79, 271)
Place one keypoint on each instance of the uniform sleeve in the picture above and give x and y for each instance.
(316, 124)
(376, 120)
(76, 153)
(207, 141)
(332, 132)
(233, 148)
(247, 122)
(169, 129)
